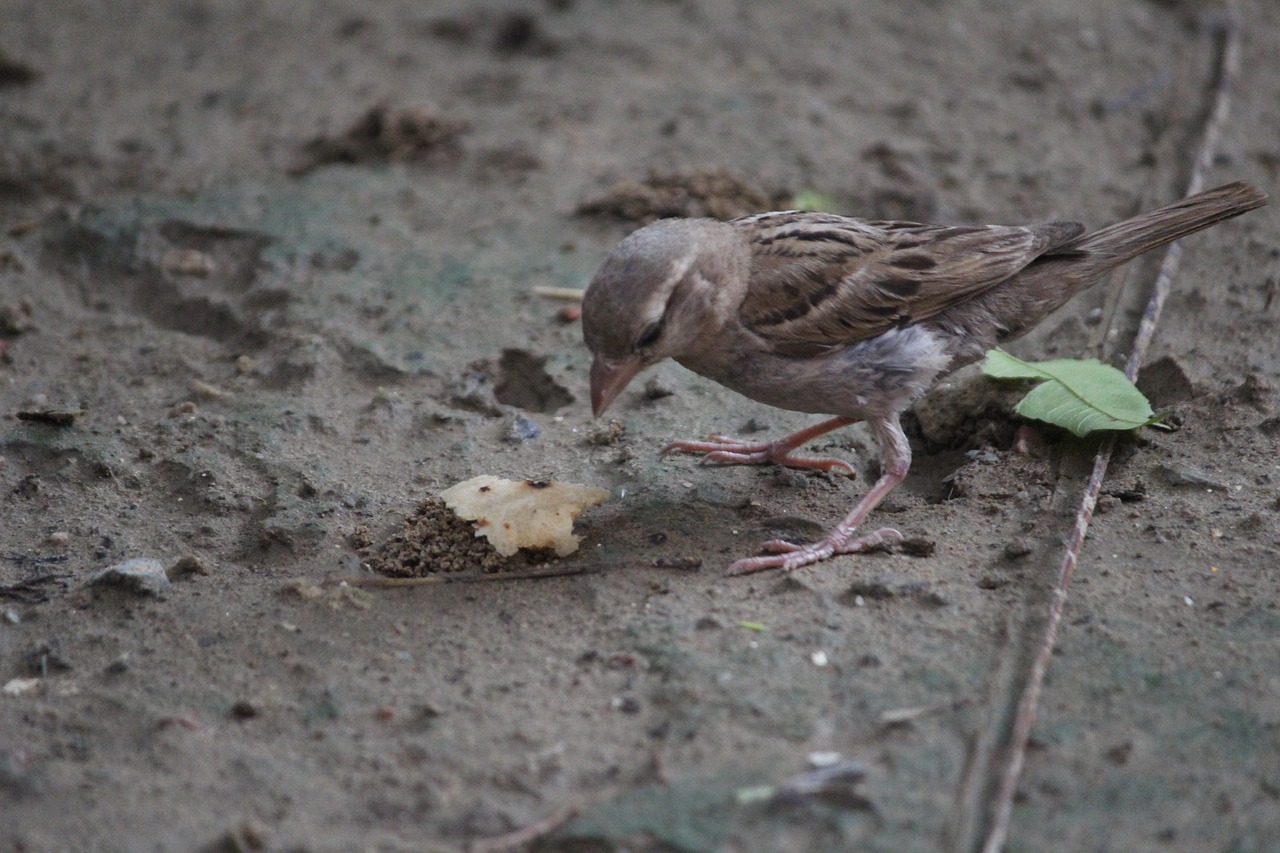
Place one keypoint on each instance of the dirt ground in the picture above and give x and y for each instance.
(266, 277)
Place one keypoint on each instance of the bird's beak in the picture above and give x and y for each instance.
(608, 379)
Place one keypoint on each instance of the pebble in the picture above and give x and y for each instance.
(141, 574)
(188, 262)
(521, 429)
(187, 565)
(824, 759)
(209, 392)
(606, 434)
(119, 666)
(655, 389)
(1018, 548)
(19, 686)
(244, 710)
(1179, 475)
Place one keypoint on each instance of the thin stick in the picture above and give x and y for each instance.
(525, 834)
(569, 294)
(1002, 809)
(428, 580)
(1228, 73)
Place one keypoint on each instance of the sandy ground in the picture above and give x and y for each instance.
(279, 258)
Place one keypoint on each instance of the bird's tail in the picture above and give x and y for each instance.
(1014, 307)
(1124, 241)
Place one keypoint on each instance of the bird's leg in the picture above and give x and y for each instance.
(732, 451)
(895, 454)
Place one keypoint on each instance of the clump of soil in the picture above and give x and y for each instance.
(712, 192)
(516, 378)
(15, 73)
(434, 541)
(969, 414)
(411, 134)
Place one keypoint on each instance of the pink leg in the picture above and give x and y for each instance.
(895, 454)
(730, 451)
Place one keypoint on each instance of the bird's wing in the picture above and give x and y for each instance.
(820, 281)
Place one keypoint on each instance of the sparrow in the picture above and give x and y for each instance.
(850, 318)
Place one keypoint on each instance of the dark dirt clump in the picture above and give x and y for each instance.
(412, 134)
(713, 192)
(434, 541)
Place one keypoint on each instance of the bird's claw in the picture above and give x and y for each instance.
(723, 450)
(719, 444)
(787, 556)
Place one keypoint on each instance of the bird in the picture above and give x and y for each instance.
(850, 318)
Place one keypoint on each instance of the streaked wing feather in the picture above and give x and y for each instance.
(820, 281)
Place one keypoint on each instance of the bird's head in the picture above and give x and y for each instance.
(662, 292)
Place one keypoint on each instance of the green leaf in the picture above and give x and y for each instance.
(1081, 395)
(813, 200)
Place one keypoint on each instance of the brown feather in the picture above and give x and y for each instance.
(819, 281)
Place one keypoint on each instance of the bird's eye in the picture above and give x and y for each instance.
(650, 335)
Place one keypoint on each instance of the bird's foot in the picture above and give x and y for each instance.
(724, 450)
(780, 554)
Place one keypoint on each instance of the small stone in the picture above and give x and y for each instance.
(521, 429)
(606, 434)
(209, 392)
(142, 574)
(188, 262)
(46, 659)
(917, 546)
(244, 710)
(119, 666)
(19, 686)
(59, 537)
(1179, 475)
(1018, 548)
(655, 389)
(824, 758)
(188, 565)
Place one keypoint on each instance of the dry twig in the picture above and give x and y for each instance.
(525, 834)
(429, 580)
(1002, 808)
